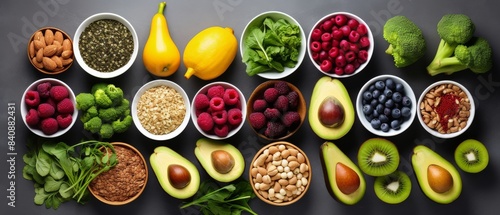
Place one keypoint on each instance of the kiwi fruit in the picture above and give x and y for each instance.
(393, 188)
(378, 157)
(471, 156)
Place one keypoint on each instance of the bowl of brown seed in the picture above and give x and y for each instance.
(105, 45)
(446, 109)
(50, 50)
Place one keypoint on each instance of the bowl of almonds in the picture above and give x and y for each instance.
(50, 50)
(280, 173)
(446, 109)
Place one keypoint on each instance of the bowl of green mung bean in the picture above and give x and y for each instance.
(105, 45)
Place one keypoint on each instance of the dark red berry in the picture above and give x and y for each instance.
(327, 25)
(344, 45)
(316, 46)
(349, 69)
(323, 55)
(337, 34)
(362, 29)
(363, 56)
(333, 52)
(326, 37)
(354, 47)
(352, 23)
(326, 46)
(338, 71)
(340, 61)
(364, 42)
(353, 36)
(350, 56)
(326, 66)
(340, 20)
(315, 56)
(345, 30)
(316, 34)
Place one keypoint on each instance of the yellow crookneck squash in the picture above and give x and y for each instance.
(161, 56)
(210, 52)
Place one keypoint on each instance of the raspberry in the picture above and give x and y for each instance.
(259, 105)
(201, 101)
(219, 117)
(293, 100)
(205, 122)
(281, 103)
(234, 116)
(271, 94)
(32, 117)
(272, 113)
(44, 89)
(216, 104)
(257, 120)
(58, 93)
(51, 102)
(231, 97)
(45, 110)
(64, 120)
(282, 87)
(221, 130)
(65, 106)
(32, 98)
(275, 129)
(215, 91)
(49, 126)
(291, 119)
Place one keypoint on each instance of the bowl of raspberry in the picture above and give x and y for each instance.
(48, 107)
(275, 110)
(340, 44)
(218, 110)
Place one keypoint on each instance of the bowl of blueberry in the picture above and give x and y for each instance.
(386, 105)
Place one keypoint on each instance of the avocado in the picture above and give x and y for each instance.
(177, 175)
(231, 165)
(330, 89)
(343, 178)
(437, 177)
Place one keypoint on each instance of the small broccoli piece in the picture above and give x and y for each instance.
(475, 55)
(453, 29)
(101, 99)
(89, 114)
(124, 108)
(114, 93)
(97, 86)
(108, 114)
(106, 131)
(121, 125)
(84, 101)
(93, 125)
(406, 41)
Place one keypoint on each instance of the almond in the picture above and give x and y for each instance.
(39, 55)
(38, 44)
(66, 54)
(49, 50)
(31, 49)
(66, 45)
(36, 63)
(57, 60)
(58, 36)
(49, 37)
(66, 62)
(59, 48)
(42, 39)
(37, 35)
(49, 64)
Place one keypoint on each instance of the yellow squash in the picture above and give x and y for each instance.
(161, 56)
(210, 52)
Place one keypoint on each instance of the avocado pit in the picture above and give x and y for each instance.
(178, 176)
(222, 161)
(331, 112)
(347, 179)
(439, 179)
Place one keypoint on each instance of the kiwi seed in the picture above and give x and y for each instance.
(393, 188)
(471, 156)
(378, 157)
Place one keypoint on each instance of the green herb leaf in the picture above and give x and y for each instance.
(43, 163)
(40, 198)
(56, 172)
(51, 185)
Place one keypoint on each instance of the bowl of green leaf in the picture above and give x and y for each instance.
(272, 45)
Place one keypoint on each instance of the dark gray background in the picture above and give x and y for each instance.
(480, 194)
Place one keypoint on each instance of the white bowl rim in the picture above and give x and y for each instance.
(87, 22)
(24, 110)
(370, 50)
(405, 125)
(243, 110)
(469, 120)
(302, 51)
(156, 83)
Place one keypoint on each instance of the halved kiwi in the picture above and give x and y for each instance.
(378, 157)
(471, 156)
(393, 188)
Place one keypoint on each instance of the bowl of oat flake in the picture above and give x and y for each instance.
(161, 110)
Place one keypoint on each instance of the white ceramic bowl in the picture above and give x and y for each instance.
(78, 55)
(242, 105)
(137, 97)
(275, 15)
(434, 132)
(392, 132)
(24, 107)
(370, 49)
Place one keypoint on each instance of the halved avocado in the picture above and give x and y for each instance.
(445, 185)
(163, 158)
(347, 185)
(327, 87)
(207, 151)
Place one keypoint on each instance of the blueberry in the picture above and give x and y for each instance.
(376, 94)
(375, 114)
(367, 95)
(367, 109)
(380, 108)
(387, 111)
(380, 85)
(406, 112)
(384, 127)
(389, 103)
(395, 113)
(375, 122)
(374, 103)
(395, 124)
(400, 88)
(389, 83)
(397, 97)
(406, 101)
(371, 87)
(388, 92)
(382, 98)
(368, 117)
(383, 118)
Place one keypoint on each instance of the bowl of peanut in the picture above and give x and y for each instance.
(446, 109)
(280, 173)
(50, 50)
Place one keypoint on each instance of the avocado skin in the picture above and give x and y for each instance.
(203, 150)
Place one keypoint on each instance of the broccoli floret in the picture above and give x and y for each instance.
(93, 125)
(406, 41)
(97, 86)
(84, 101)
(475, 55)
(106, 131)
(101, 99)
(108, 114)
(124, 108)
(453, 29)
(121, 125)
(114, 93)
(89, 114)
